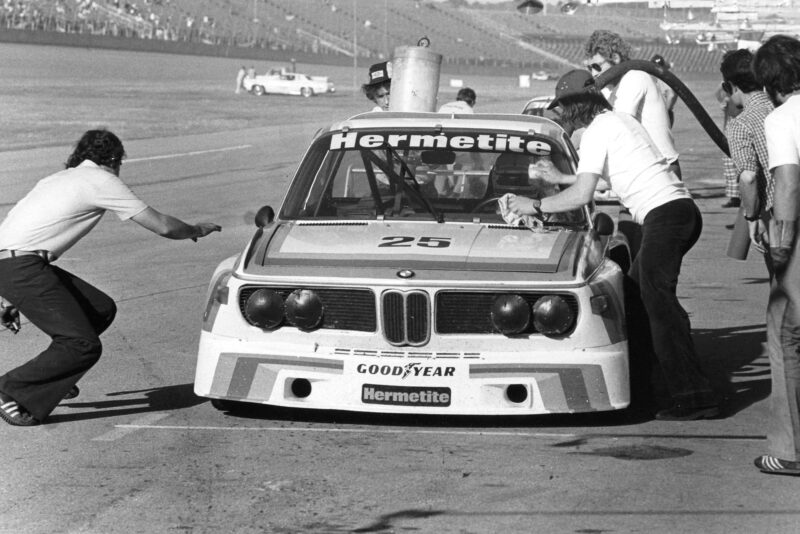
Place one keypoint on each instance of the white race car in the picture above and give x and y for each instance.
(288, 83)
(389, 281)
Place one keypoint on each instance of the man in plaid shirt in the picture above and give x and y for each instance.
(748, 143)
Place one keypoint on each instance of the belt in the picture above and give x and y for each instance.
(5, 254)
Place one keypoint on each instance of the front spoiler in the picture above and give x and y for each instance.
(498, 383)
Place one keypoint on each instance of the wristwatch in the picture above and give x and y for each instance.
(537, 205)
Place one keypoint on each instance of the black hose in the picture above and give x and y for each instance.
(663, 74)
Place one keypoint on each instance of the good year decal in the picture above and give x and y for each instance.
(415, 369)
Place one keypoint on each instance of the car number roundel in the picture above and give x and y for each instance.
(410, 241)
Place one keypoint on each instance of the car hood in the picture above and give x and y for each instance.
(413, 245)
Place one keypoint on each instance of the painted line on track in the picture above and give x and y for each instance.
(120, 431)
(140, 425)
(193, 153)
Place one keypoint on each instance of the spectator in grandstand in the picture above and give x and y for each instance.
(617, 149)
(730, 109)
(59, 211)
(636, 92)
(464, 102)
(378, 87)
(670, 96)
(777, 69)
(240, 78)
(747, 141)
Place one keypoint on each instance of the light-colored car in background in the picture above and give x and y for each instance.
(537, 106)
(288, 83)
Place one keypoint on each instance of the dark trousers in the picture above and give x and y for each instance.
(72, 312)
(668, 233)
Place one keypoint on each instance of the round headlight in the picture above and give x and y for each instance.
(304, 309)
(264, 308)
(552, 315)
(510, 314)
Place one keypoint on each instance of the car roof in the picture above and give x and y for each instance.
(540, 100)
(478, 121)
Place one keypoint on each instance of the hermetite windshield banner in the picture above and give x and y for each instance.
(478, 142)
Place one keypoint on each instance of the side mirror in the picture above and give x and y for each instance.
(264, 216)
(603, 224)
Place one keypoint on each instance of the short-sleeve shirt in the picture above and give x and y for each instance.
(617, 147)
(748, 144)
(782, 128)
(457, 106)
(638, 95)
(64, 207)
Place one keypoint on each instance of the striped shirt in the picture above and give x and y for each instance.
(748, 144)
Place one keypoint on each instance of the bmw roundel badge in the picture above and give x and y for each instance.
(405, 273)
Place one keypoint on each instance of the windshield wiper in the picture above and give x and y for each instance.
(388, 169)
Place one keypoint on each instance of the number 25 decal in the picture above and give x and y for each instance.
(407, 241)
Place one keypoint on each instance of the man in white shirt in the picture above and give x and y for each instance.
(616, 148)
(777, 68)
(60, 210)
(463, 104)
(636, 93)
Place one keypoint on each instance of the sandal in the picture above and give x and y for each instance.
(776, 466)
(14, 414)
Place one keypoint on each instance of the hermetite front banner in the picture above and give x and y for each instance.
(405, 396)
(477, 142)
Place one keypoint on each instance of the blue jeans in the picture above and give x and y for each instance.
(783, 341)
(70, 311)
(668, 233)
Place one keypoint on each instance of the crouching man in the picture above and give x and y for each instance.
(60, 210)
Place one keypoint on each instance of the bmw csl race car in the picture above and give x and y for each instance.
(389, 281)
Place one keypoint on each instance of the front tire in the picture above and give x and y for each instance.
(306, 92)
(258, 90)
(224, 405)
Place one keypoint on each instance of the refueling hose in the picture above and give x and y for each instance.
(663, 74)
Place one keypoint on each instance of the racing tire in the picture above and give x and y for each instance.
(306, 92)
(633, 233)
(258, 90)
(224, 405)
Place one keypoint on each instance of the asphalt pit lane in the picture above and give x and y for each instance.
(640, 452)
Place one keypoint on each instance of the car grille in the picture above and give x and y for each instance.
(344, 309)
(470, 312)
(406, 317)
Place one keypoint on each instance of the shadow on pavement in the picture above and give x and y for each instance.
(734, 359)
(736, 362)
(160, 399)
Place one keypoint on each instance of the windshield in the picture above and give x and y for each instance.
(365, 175)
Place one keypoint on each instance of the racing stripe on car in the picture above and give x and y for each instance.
(614, 316)
(578, 388)
(237, 374)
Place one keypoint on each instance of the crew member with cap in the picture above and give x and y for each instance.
(617, 149)
(59, 211)
(379, 86)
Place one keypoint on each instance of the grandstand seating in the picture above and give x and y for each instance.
(465, 34)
